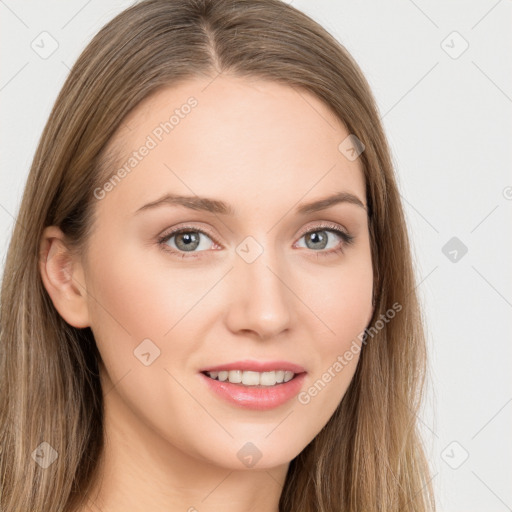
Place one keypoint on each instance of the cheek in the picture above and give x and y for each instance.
(341, 298)
(350, 301)
(138, 293)
(342, 302)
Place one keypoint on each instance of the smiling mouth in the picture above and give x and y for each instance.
(251, 378)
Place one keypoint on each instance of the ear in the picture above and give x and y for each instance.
(63, 278)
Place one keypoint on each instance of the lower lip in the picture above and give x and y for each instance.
(260, 398)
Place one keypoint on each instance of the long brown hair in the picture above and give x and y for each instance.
(369, 456)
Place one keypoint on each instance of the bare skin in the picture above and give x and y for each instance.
(265, 149)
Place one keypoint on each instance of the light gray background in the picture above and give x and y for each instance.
(447, 117)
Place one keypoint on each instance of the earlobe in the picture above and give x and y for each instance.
(63, 279)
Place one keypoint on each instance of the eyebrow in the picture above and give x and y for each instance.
(220, 207)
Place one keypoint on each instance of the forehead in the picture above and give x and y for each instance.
(233, 138)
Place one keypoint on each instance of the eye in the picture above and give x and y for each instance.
(186, 239)
(317, 239)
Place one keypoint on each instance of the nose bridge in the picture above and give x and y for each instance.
(261, 301)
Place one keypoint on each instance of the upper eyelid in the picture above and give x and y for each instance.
(321, 225)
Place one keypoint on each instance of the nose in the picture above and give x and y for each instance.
(260, 297)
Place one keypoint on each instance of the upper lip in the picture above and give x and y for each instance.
(256, 366)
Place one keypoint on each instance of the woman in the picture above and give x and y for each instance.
(208, 300)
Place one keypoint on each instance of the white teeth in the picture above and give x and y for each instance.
(288, 376)
(235, 376)
(267, 378)
(250, 378)
(279, 376)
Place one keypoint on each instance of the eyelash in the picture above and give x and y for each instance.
(347, 239)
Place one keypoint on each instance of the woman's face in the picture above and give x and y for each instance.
(243, 283)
